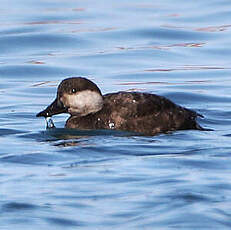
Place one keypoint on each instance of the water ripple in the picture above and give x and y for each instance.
(110, 179)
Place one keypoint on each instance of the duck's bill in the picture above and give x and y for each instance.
(56, 107)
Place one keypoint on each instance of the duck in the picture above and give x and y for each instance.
(138, 112)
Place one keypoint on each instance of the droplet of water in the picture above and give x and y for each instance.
(50, 123)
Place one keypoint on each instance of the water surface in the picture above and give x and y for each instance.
(56, 179)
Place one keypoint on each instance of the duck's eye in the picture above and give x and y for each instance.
(73, 90)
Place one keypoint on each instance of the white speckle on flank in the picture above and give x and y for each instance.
(111, 125)
(98, 119)
(134, 101)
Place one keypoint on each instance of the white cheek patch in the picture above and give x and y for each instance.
(83, 102)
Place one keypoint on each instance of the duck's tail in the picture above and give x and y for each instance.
(198, 127)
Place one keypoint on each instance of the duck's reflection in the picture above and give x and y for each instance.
(65, 137)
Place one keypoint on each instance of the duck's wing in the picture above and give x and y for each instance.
(139, 104)
(143, 112)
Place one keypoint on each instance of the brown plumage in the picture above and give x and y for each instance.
(145, 113)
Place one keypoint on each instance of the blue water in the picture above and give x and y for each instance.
(61, 179)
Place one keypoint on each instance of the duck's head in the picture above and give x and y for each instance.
(77, 96)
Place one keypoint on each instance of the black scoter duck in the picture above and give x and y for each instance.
(145, 113)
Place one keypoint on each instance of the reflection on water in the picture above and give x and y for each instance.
(106, 179)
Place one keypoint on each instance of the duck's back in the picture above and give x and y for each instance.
(138, 112)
